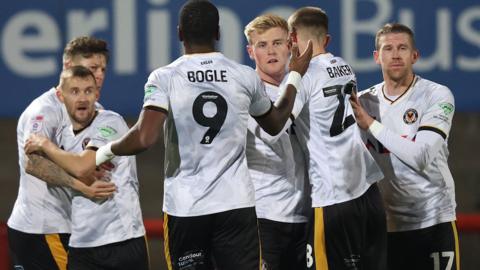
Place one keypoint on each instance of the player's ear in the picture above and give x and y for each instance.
(375, 57)
(415, 56)
(326, 41)
(67, 63)
(59, 94)
(250, 51)
(179, 33)
(289, 43)
(293, 36)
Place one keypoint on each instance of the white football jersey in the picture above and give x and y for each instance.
(416, 196)
(97, 223)
(41, 208)
(339, 164)
(277, 169)
(208, 99)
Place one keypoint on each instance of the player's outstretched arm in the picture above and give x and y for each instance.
(51, 173)
(138, 139)
(274, 121)
(79, 165)
(417, 154)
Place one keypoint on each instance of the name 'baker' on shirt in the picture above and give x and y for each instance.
(338, 71)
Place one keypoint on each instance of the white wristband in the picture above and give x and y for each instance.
(294, 79)
(375, 128)
(104, 154)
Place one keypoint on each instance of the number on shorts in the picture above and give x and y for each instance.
(340, 121)
(445, 254)
(309, 256)
(215, 122)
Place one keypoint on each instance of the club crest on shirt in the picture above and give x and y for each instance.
(410, 116)
(85, 143)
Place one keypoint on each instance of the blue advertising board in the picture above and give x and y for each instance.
(142, 36)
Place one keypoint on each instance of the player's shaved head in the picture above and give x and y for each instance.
(74, 72)
(199, 22)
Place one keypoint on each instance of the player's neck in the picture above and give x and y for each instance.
(273, 79)
(80, 126)
(318, 51)
(398, 87)
(194, 48)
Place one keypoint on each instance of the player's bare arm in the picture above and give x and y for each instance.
(51, 173)
(143, 134)
(274, 121)
(79, 165)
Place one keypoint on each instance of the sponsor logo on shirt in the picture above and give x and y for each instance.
(37, 123)
(446, 107)
(149, 89)
(410, 116)
(107, 131)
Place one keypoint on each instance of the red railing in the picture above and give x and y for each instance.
(466, 223)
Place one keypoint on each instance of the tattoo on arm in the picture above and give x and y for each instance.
(48, 171)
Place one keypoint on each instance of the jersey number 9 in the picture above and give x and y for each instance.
(215, 122)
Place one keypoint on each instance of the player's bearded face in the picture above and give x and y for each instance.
(79, 97)
(270, 50)
(396, 55)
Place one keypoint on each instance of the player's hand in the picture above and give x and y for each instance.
(104, 171)
(35, 143)
(101, 173)
(99, 190)
(106, 166)
(300, 63)
(364, 120)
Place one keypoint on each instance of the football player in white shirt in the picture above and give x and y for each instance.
(347, 229)
(106, 234)
(409, 140)
(39, 225)
(204, 99)
(276, 165)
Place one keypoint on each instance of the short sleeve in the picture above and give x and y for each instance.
(156, 90)
(109, 129)
(261, 103)
(44, 121)
(439, 114)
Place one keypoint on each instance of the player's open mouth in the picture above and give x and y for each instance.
(272, 61)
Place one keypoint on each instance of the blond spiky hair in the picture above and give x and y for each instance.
(263, 23)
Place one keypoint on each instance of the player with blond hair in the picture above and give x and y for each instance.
(276, 164)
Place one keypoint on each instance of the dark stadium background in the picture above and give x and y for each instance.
(141, 36)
